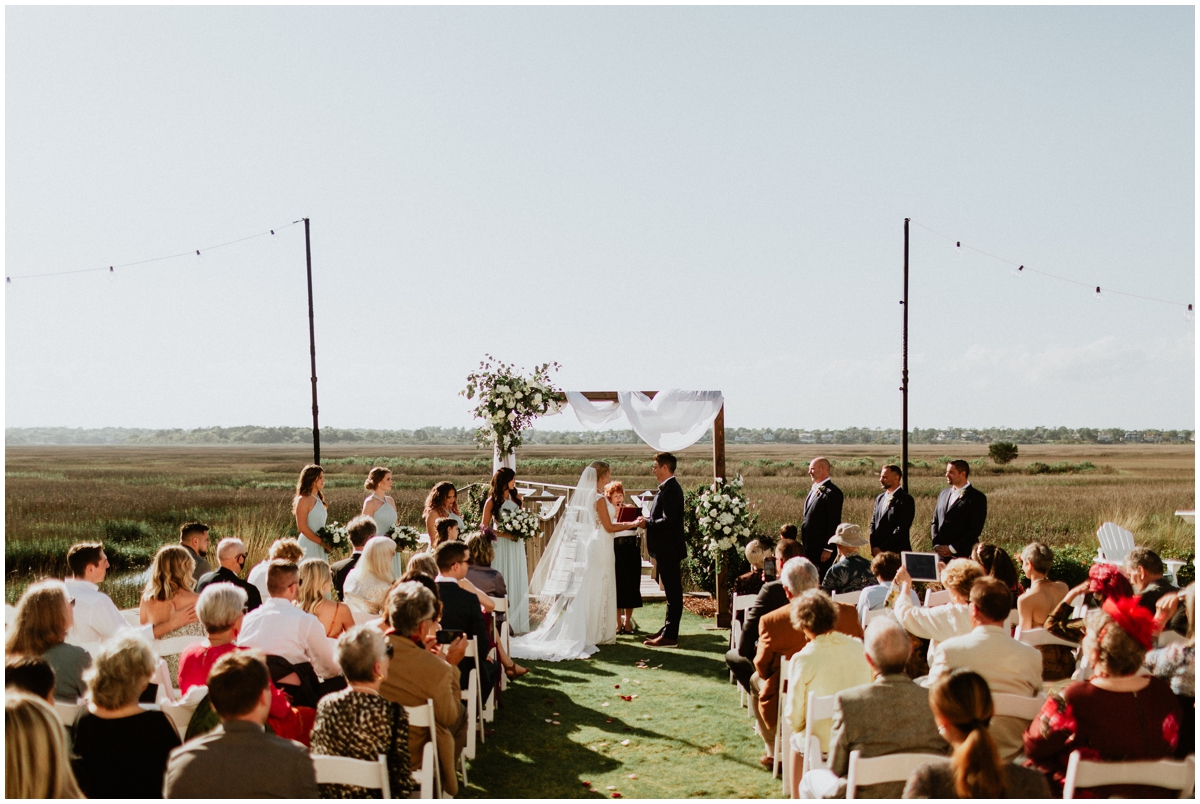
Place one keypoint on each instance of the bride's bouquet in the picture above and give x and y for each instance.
(520, 524)
(406, 537)
(333, 536)
(723, 516)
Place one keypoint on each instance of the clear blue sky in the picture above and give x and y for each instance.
(703, 198)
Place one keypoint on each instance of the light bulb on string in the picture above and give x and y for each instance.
(110, 275)
(1098, 297)
(1189, 314)
(1019, 270)
(958, 247)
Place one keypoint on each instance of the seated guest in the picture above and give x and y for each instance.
(771, 597)
(1176, 664)
(169, 591)
(31, 674)
(962, 707)
(40, 628)
(193, 537)
(997, 563)
(96, 616)
(359, 530)
(293, 640)
(220, 610)
(751, 583)
(368, 584)
(316, 583)
(461, 612)
(122, 749)
(239, 759)
(939, 622)
(445, 529)
(1104, 582)
(36, 759)
(1144, 569)
(778, 639)
(1116, 715)
(788, 531)
(358, 722)
(909, 726)
(1008, 666)
(418, 673)
(884, 592)
(423, 563)
(1035, 606)
(851, 572)
(288, 550)
(231, 554)
(482, 575)
(829, 663)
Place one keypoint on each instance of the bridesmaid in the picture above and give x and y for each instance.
(442, 502)
(382, 509)
(308, 506)
(510, 553)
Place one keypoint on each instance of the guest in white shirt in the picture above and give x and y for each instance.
(96, 616)
(368, 584)
(288, 550)
(1008, 666)
(883, 594)
(939, 622)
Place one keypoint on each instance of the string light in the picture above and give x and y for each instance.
(1190, 314)
(1098, 297)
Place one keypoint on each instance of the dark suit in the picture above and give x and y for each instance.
(340, 570)
(666, 543)
(741, 659)
(1152, 591)
(822, 515)
(225, 575)
(240, 760)
(890, 525)
(460, 611)
(958, 526)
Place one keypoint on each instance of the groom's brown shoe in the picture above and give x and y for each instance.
(661, 642)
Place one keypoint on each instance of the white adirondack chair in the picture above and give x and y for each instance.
(1115, 544)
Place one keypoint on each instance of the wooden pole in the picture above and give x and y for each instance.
(904, 373)
(312, 347)
(724, 617)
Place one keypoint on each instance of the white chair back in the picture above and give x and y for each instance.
(1081, 772)
(421, 717)
(363, 617)
(1012, 621)
(180, 712)
(372, 774)
(1019, 706)
(820, 707)
(1040, 636)
(887, 768)
(1115, 542)
(875, 614)
(166, 686)
(68, 713)
(1173, 567)
(10, 616)
(175, 645)
(133, 617)
(783, 729)
(938, 598)
(849, 598)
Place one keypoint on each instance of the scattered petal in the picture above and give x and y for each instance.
(612, 787)
(556, 723)
(587, 784)
(616, 686)
(626, 697)
(633, 776)
(647, 717)
(556, 714)
(624, 742)
(548, 720)
(604, 704)
(603, 745)
(616, 795)
(631, 697)
(608, 720)
(624, 681)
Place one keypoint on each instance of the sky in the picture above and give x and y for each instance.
(673, 197)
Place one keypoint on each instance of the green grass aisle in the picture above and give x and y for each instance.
(686, 735)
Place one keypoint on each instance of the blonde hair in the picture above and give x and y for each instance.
(602, 468)
(120, 671)
(36, 761)
(288, 550)
(41, 621)
(960, 575)
(377, 558)
(171, 572)
(424, 563)
(315, 578)
(479, 547)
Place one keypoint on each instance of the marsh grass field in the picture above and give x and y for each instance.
(135, 498)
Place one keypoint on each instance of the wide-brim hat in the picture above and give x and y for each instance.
(848, 535)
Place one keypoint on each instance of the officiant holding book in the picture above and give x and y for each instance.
(627, 551)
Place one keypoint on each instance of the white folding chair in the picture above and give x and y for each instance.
(1040, 636)
(1166, 773)
(848, 598)
(362, 617)
(133, 617)
(421, 717)
(487, 698)
(1012, 621)
(174, 645)
(166, 687)
(501, 634)
(10, 616)
(470, 698)
(875, 614)
(741, 603)
(887, 768)
(68, 713)
(820, 707)
(938, 598)
(1115, 544)
(1025, 707)
(180, 712)
(782, 727)
(1168, 636)
(369, 773)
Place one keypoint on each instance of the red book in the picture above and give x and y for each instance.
(628, 513)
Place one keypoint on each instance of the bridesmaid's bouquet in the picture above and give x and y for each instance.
(333, 537)
(406, 537)
(520, 524)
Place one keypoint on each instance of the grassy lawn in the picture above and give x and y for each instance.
(687, 736)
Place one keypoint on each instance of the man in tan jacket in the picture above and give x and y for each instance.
(418, 674)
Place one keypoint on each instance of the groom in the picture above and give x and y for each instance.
(665, 542)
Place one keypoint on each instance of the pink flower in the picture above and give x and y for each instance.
(1171, 731)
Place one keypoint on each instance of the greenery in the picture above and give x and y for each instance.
(1002, 452)
(508, 402)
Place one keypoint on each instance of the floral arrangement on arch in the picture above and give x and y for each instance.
(333, 537)
(406, 537)
(520, 524)
(509, 402)
(723, 516)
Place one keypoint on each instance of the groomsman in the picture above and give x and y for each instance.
(960, 514)
(822, 515)
(893, 514)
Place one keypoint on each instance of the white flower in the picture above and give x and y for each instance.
(727, 530)
(512, 414)
(537, 399)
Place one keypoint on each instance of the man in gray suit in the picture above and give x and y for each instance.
(891, 715)
(238, 759)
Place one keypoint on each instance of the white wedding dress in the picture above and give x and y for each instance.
(574, 586)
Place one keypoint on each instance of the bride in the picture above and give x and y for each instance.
(574, 585)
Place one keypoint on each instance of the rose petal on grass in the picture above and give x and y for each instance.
(604, 704)
(556, 723)
(616, 686)
(624, 681)
(631, 697)
(633, 776)
(556, 714)
(616, 795)
(608, 720)
(548, 720)
(624, 742)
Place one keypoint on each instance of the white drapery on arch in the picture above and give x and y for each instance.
(673, 420)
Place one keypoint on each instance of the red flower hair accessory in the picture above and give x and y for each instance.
(1107, 581)
(1134, 620)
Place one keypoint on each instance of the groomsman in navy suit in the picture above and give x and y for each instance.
(960, 514)
(822, 515)
(893, 515)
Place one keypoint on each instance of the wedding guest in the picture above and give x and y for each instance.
(359, 530)
(1176, 664)
(445, 530)
(829, 663)
(1104, 582)
(960, 513)
(239, 759)
(909, 726)
(627, 567)
(892, 515)
(788, 531)
(358, 722)
(369, 582)
(441, 502)
(939, 622)
(997, 563)
(481, 573)
(822, 515)
(1008, 666)
(418, 673)
(460, 611)
(40, 628)
(962, 706)
(884, 592)
(771, 597)
(231, 554)
(96, 616)
(31, 674)
(510, 551)
(1116, 715)
(194, 538)
(168, 590)
(37, 763)
(851, 572)
(750, 582)
(1144, 569)
(316, 583)
(122, 749)
(288, 550)
(425, 564)
(220, 608)
(1034, 606)
(308, 508)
